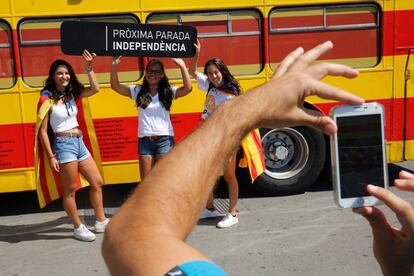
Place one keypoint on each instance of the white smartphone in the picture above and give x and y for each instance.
(358, 154)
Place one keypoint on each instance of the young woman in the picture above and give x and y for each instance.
(220, 86)
(68, 154)
(153, 100)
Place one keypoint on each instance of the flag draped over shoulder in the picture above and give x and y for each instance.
(48, 183)
(253, 154)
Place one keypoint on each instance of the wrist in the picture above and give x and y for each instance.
(52, 157)
(88, 69)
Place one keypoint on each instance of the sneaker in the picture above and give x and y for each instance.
(82, 233)
(228, 221)
(214, 213)
(101, 225)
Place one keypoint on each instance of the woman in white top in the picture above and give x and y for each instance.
(153, 100)
(220, 86)
(68, 154)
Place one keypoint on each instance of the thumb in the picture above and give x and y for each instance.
(318, 120)
(380, 227)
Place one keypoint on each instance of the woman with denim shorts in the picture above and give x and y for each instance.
(68, 155)
(153, 100)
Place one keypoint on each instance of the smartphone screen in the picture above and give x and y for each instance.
(360, 152)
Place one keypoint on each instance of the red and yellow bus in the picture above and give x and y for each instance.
(251, 36)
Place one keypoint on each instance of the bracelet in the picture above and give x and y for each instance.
(88, 69)
(51, 157)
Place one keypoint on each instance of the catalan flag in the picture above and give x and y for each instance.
(253, 154)
(48, 183)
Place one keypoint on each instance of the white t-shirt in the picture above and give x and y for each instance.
(214, 97)
(154, 119)
(60, 120)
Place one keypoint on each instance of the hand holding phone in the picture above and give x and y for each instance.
(358, 154)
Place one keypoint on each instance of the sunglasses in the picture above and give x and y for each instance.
(155, 72)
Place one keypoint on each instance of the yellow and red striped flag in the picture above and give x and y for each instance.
(48, 183)
(253, 154)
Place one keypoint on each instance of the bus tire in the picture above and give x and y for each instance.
(294, 159)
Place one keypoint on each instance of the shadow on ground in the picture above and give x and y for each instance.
(114, 195)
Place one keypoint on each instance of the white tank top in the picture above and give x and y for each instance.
(63, 116)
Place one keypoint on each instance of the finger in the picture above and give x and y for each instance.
(310, 56)
(406, 175)
(321, 122)
(93, 55)
(86, 53)
(321, 70)
(287, 62)
(56, 167)
(381, 229)
(406, 183)
(402, 209)
(329, 92)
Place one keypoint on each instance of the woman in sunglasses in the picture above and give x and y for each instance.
(153, 99)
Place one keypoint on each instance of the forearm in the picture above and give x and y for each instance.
(193, 66)
(94, 85)
(167, 204)
(114, 76)
(116, 85)
(186, 79)
(44, 140)
(187, 87)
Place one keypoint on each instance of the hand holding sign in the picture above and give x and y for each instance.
(114, 39)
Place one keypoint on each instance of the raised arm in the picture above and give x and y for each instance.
(187, 87)
(115, 84)
(146, 236)
(94, 86)
(193, 65)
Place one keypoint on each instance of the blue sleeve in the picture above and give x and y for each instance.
(45, 93)
(197, 268)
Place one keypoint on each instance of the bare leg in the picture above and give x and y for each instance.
(210, 201)
(146, 162)
(232, 184)
(68, 175)
(91, 173)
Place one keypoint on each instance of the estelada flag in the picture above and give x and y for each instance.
(48, 183)
(253, 154)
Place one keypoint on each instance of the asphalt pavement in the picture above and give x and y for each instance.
(304, 234)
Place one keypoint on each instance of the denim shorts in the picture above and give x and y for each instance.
(155, 147)
(69, 149)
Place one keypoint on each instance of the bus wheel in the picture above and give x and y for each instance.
(294, 159)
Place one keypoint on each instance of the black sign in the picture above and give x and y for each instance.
(114, 39)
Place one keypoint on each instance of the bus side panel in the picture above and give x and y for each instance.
(404, 80)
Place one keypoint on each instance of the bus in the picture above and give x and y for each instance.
(251, 36)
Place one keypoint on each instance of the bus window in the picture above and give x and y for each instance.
(343, 25)
(223, 34)
(40, 46)
(7, 75)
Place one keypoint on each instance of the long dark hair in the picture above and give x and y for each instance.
(228, 78)
(164, 89)
(73, 89)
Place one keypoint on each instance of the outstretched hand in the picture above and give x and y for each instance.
(297, 78)
(393, 246)
(179, 62)
(88, 57)
(116, 60)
